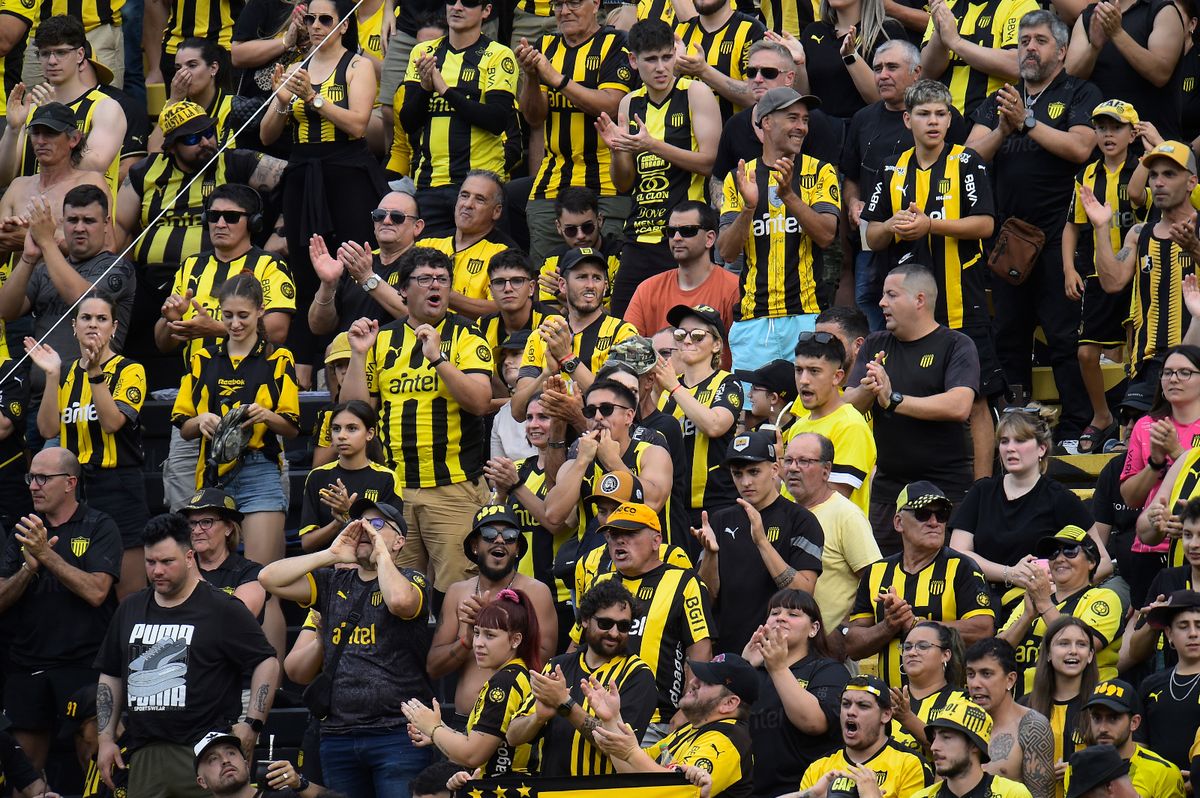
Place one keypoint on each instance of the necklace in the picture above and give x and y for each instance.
(1190, 684)
(512, 579)
(1031, 101)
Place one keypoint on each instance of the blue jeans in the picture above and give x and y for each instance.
(866, 290)
(372, 765)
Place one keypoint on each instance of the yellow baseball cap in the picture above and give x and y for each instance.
(965, 717)
(631, 517)
(339, 349)
(1176, 151)
(1118, 110)
(183, 118)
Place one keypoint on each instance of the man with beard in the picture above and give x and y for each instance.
(373, 618)
(580, 224)
(866, 716)
(495, 544)
(558, 712)
(958, 737)
(223, 770)
(712, 748)
(1036, 136)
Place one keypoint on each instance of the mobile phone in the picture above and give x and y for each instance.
(1043, 563)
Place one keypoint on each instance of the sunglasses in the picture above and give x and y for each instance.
(466, 3)
(684, 230)
(923, 514)
(667, 353)
(1070, 552)
(192, 139)
(768, 73)
(493, 533)
(377, 523)
(572, 230)
(325, 19)
(605, 408)
(605, 624)
(229, 217)
(696, 335)
(820, 337)
(396, 217)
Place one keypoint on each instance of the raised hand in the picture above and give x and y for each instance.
(705, 534)
(328, 268)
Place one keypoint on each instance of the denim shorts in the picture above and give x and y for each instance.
(255, 486)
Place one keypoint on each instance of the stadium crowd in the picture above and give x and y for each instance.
(641, 398)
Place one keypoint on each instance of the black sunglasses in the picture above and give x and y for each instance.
(768, 73)
(192, 139)
(606, 409)
(396, 217)
(1070, 551)
(605, 624)
(685, 230)
(466, 3)
(572, 230)
(325, 19)
(923, 514)
(507, 533)
(229, 217)
(820, 337)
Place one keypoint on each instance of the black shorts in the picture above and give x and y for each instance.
(120, 492)
(1104, 314)
(991, 374)
(38, 701)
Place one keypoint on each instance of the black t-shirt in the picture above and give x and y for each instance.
(828, 74)
(383, 663)
(1117, 79)
(1032, 183)
(16, 771)
(49, 625)
(781, 751)
(183, 665)
(1168, 724)
(352, 303)
(261, 19)
(233, 572)
(739, 141)
(908, 448)
(746, 585)
(1004, 530)
(137, 123)
(374, 482)
(14, 401)
(1108, 507)
(876, 135)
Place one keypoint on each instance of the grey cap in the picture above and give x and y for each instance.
(781, 97)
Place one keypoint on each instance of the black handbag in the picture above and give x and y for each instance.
(318, 696)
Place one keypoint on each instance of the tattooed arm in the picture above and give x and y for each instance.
(263, 682)
(266, 175)
(110, 696)
(1037, 754)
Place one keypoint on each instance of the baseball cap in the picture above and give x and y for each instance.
(706, 313)
(515, 340)
(617, 486)
(1176, 151)
(1069, 535)
(1117, 695)
(730, 671)
(781, 97)
(966, 717)
(631, 517)
(637, 352)
(873, 685)
(211, 739)
(339, 348)
(386, 510)
(1177, 602)
(574, 257)
(103, 73)
(778, 376)
(1094, 767)
(494, 515)
(212, 499)
(79, 707)
(181, 119)
(751, 447)
(55, 116)
(921, 494)
(1118, 110)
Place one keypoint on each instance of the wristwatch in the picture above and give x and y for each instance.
(97, 380)
(564, 709)
(849, 59)
(317, 102)
(894, 400)
(1030, 120)
(371, 283)
(302, 782)
(570, 364)
(255, 724)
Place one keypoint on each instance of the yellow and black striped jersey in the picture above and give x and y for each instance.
(726, 49)
(157, 180)
(1099, 608)
(538, 561)
(590, 344)
(672, 613)
(791, 17)
(12, 62)
(611, 249)
(204, 274)
(469, 266)
(576, 155)
(672, 516)
(1156, 309)
(1068, 734)
(658, 185)
(79, 421)
(465, 128)
(205, 19)
(950, 588)
(990, 786)
(217, 384)
(84, 107)
(657, 9)
(540, 8)
(923, 708)
(219, 110)
(598, 561)
(497, 704)
(308, 126)
(779, 277)
(429, 438)
(493, 330)
(1150, 774)
(900, 772)
(401, 154)
(567, 752)
(1110, 187)
(375, 482)
(1186, 488)
(710, 485)
(991, 24)
(720, 747)
(92, 13)
(954, 187)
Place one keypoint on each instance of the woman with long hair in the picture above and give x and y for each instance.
(244, 370)
(795, 720)
(1065, 677)
(93, 407)
(839, 51)
(201, 76)
(506, 642)
(932, 658)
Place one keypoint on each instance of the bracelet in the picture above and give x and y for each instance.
(281, 108)
(433, 731)
(562, 84)
(1007, 573)
(1161, 465)
(462, 641)
(319, 302)
(673, 390)
(97, 380)
(557, 444)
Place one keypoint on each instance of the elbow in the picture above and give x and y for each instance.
(825, 236)
(238, 56)
(97, 597)
(978, 629)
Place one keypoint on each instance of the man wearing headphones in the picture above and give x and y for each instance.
(190, 316)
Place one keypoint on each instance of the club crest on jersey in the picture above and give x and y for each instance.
(678, 119)
(79, 546)
(926, 361)
(591, 63)
(1055, 110)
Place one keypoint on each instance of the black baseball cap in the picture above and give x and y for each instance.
(494, 515)
(386, 510)
(731, 671)
(778, 376)
(1069, 535)
(1177, 602)
(921, 493)
(706, 313)
(1094, 767)
(212, 499)
(55, 116)
(1117, 695)
(580, 255)
(751, 447)
(516, 340)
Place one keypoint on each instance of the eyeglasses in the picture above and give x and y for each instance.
(667, 352)
(1183, 375)
(203, 524)
(768, 73)
(1070, 552)
(466, 3)
(192, 139)
(685, 230)
(923, 514)
(58, 53)
(574, 5)
(572, 230)
(426, 280)
(377, 523)
(820, 337)
(921, 645)
(605, 408)
(500, 283)
(802, 462)
(396, 217)
(696, 336)
(41, 479)
(605, 624)
(229, 217)
(493, 533)
(325, 19)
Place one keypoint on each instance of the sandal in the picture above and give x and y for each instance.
(1093, 438)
